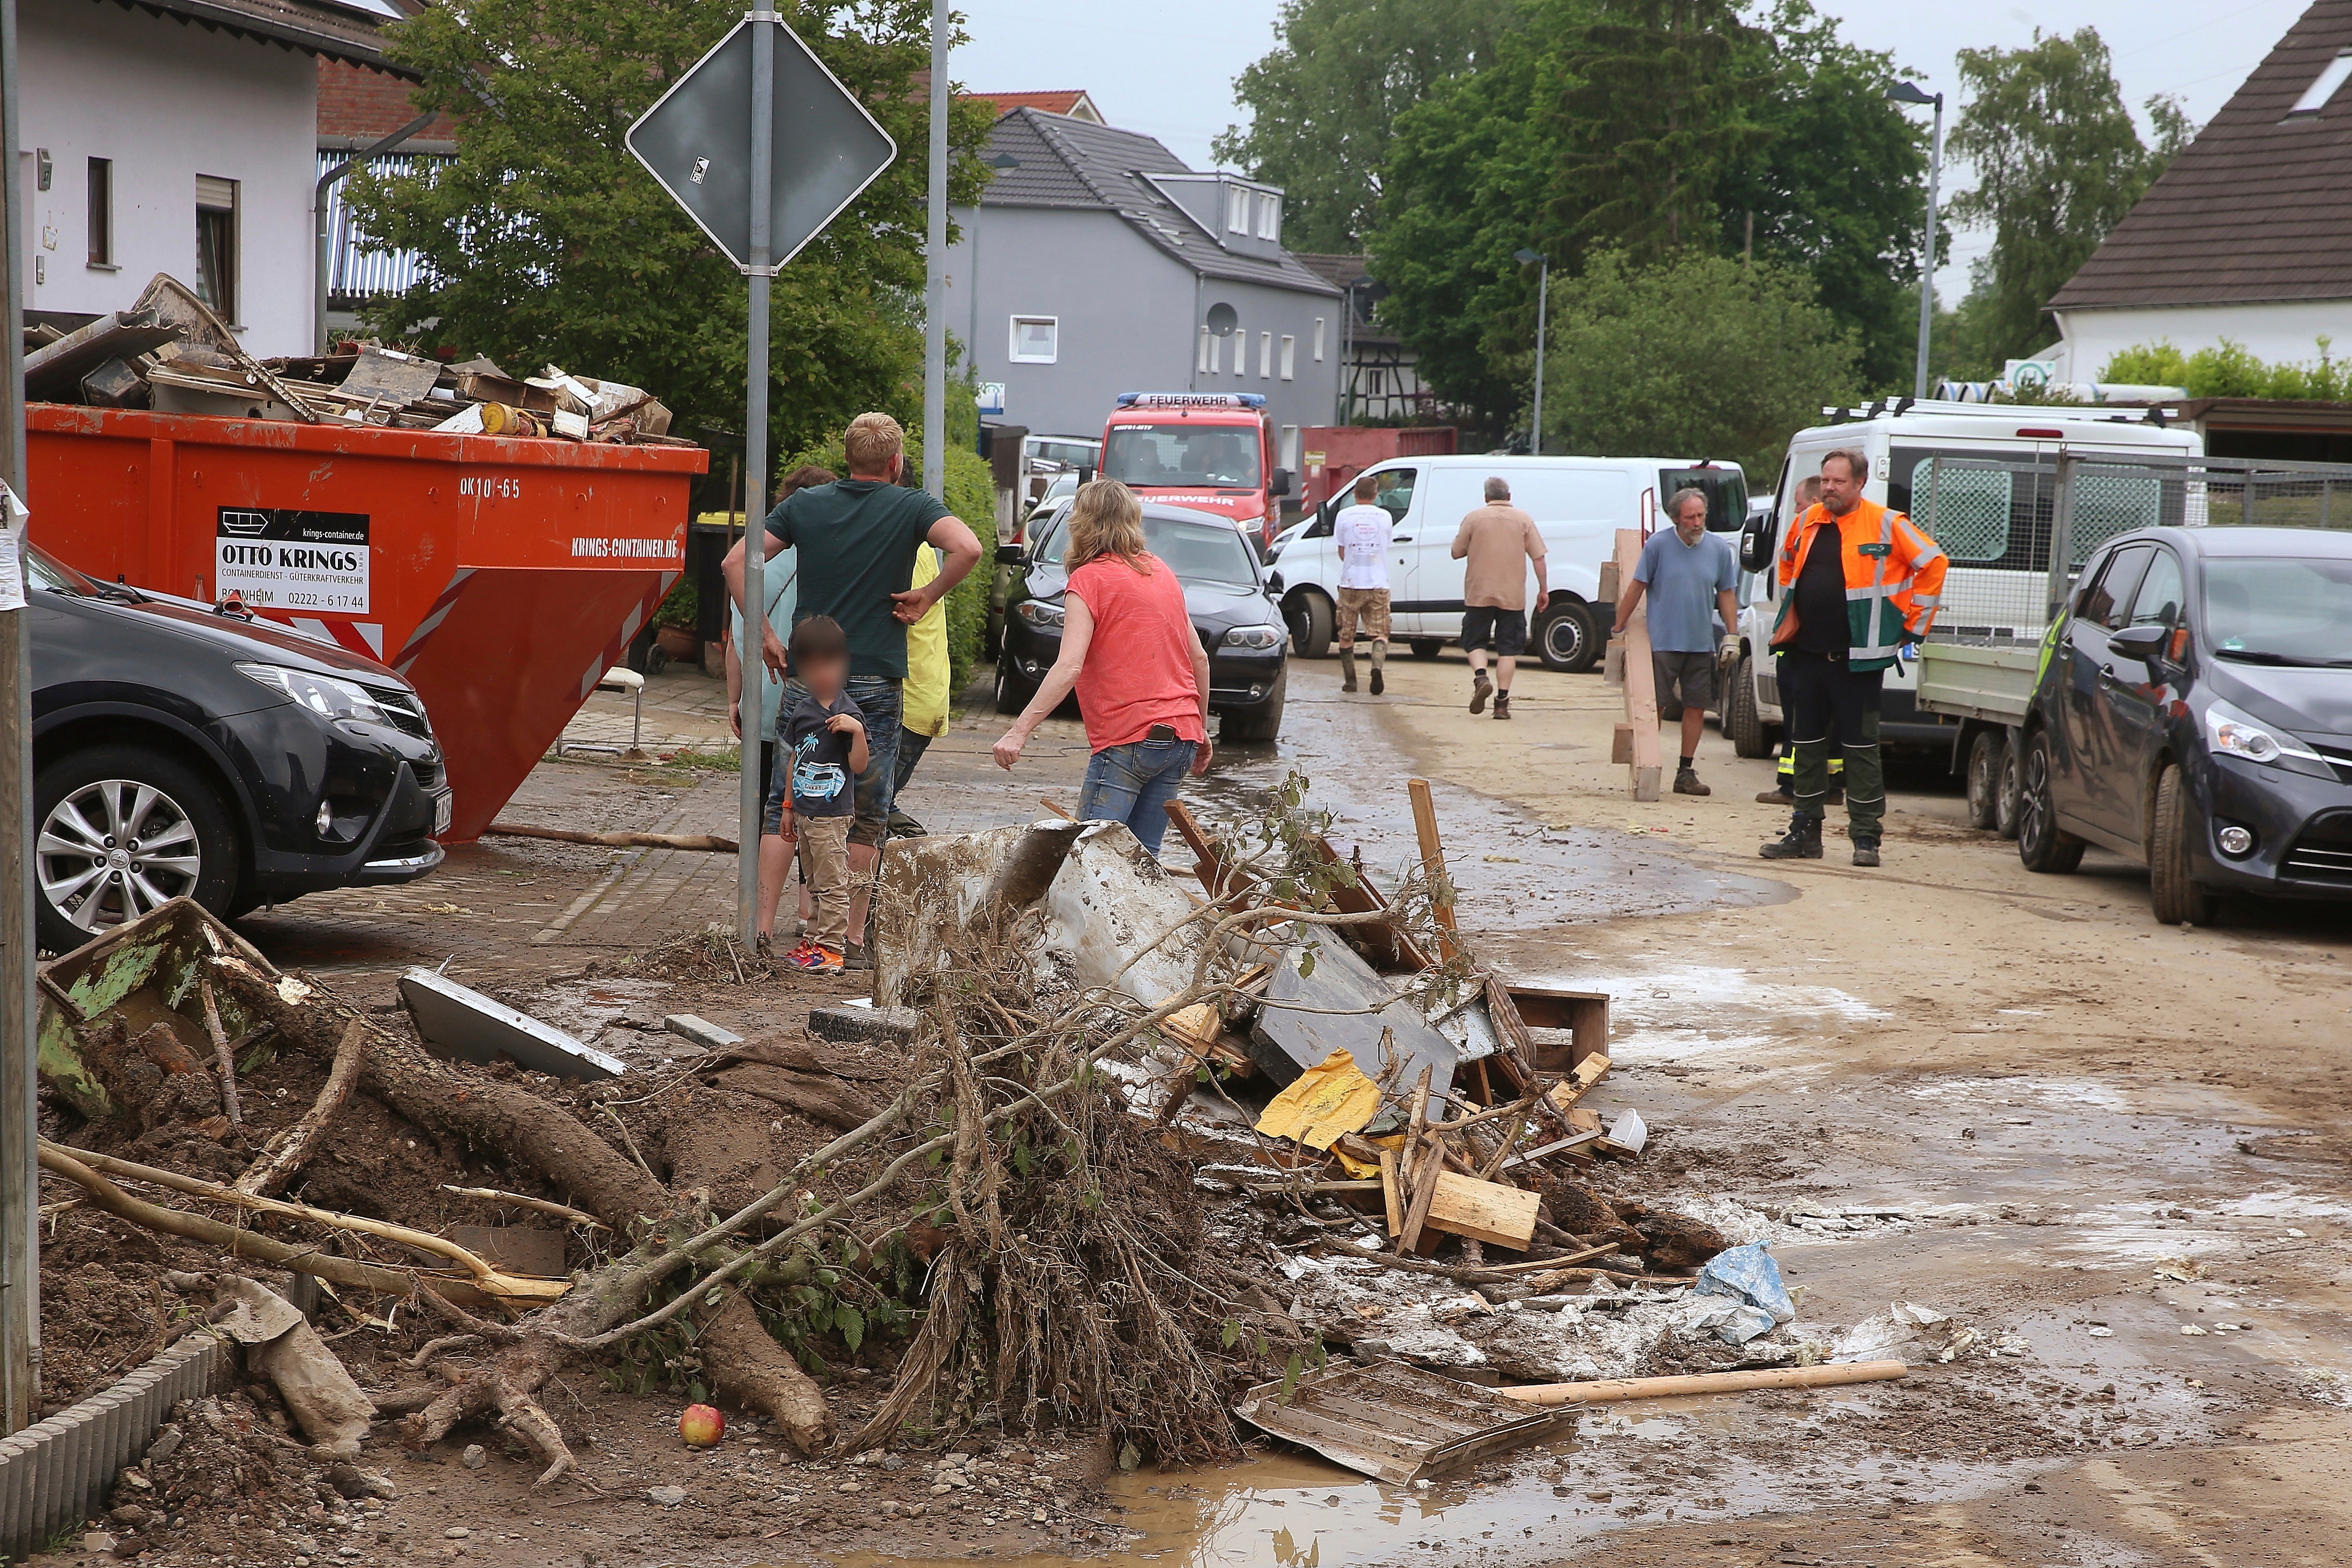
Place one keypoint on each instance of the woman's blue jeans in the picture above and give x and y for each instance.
(1133, 784)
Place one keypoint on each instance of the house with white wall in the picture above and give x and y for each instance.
(2248, 235)
(1099, 263)
(179, 136)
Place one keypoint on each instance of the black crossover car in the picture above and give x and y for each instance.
(2194, 709)
(179, 751)
(1228, 594)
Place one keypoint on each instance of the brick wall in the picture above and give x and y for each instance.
(366, 104)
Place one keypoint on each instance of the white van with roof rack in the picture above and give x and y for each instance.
(1579, 504)
(1993, 469)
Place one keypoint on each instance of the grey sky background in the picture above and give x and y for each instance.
(1168, 70)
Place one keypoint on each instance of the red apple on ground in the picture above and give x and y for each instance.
(701, 1427)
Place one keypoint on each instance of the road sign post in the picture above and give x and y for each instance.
(764, 147)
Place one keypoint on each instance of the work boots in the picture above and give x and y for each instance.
(1379, 684)
(1347, 669)
(1865, 851)
(1802, 842)
(1686, 783)
(1480, 689)
(1502, 705)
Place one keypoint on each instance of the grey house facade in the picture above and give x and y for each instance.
(1096, 266)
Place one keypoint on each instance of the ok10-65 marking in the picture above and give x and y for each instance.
(490, 488)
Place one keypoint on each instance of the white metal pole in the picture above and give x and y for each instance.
(935, 282)
(1927, 252)
(1543, 305)
(755, 471)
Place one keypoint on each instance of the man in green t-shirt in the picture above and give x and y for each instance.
(854, 540)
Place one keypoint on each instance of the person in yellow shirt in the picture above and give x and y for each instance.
(924, 698)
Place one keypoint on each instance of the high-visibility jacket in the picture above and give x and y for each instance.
(1894, 578)
(923, 698)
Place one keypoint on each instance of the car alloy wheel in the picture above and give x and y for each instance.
(114, 849)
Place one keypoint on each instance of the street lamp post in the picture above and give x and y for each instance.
(1543, 304)
(971, 282)
(1910, 92)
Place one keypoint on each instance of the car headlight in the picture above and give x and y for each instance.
(2232, 734)
(322, 694)
(1038, 613)
(1255, 637)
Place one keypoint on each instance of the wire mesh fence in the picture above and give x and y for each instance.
(2018, 533)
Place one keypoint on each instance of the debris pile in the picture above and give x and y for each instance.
(1105, 1156)
(171, 353)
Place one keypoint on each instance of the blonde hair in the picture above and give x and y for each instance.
(871, 441)
(1106, 519)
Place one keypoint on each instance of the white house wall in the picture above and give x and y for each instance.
(1127, 316)
(2286, 332)
(166, 101)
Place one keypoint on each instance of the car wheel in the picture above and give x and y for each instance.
(1426, 647)
(2041, 843)
(2006, 798)
(1262, 722)
(1742, 719)
(1012, 693)
(1567, 640)
(1988, 758)
(1311, 620)
(2173, 894)
(122, 829)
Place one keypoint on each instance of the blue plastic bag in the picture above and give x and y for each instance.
(1747, 1274)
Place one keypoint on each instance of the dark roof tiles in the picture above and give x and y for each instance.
(2258, 208)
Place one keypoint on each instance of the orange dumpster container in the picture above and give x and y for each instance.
(501, 576)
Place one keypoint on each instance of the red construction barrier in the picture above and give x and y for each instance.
(502, 577)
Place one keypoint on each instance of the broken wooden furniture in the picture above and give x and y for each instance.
(1396, 1422)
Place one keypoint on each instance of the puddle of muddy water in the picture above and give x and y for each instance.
(1294, 1511)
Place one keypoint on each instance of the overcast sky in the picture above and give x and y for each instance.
(1169, 70)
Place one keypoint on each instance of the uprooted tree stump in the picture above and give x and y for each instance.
(747, 1365)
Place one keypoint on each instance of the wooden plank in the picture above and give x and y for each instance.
(1483, 1211)
(1388, 947)
(1616, 1390)
(1433, 853)
(1620, 744)
(1389, 1192)
(1611, 583)
(1641, 685)
(1612, 663)
(1579, 1081)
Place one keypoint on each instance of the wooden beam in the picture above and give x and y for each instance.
(1390, 1193)
(1615, 1390)
(1641, 685)
(1433, 854)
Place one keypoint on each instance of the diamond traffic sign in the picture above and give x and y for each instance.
(697, 141)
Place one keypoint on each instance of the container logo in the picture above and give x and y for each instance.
(282, 559)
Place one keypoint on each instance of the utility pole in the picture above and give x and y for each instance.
(1910, 92)
(20, 1255)
(935, 269)
(1543, 308)
(759, 266)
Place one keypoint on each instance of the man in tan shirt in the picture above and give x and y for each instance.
(1495, 542)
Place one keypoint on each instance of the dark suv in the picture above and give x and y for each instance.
(2194, 711)
(179, 751)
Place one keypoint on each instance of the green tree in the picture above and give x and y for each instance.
(1547, 148)
(2058, 163)
(2229, 369)
(1322, 102)
(1837, 185)
(1698, 355)
(545, 240)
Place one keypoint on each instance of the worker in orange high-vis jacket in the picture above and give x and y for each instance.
(1857, 583)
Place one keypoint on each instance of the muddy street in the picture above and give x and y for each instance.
(2083, 1173)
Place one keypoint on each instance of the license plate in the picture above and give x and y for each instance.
(441, 812)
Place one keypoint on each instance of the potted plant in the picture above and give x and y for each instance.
(673, 624)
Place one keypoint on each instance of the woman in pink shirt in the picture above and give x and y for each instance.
(1129, 651)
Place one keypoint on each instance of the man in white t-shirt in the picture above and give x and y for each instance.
(1362, 534)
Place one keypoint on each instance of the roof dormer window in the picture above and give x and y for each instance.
(1269, 216)
(1237, 209)
(2323, 86)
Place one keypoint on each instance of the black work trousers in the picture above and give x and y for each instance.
(1824, 700)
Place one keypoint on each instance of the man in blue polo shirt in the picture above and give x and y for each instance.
(1688, 575)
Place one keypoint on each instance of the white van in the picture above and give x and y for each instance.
(1579, 503)
(1993, 493)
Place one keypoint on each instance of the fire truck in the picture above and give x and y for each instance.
(1210, 451)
